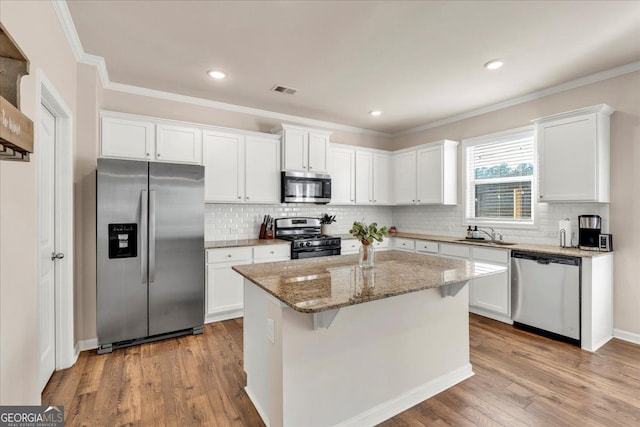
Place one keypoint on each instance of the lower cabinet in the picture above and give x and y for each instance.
(489, 296)
(352, 246)
(225, 288)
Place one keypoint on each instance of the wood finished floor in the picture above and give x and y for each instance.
(520, 380)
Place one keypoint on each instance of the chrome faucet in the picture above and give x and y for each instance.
(493, 233)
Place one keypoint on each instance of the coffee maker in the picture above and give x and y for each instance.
(589, 227)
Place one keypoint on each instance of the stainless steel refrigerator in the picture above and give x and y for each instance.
(150, 251)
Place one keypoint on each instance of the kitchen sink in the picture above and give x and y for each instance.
(488, 242)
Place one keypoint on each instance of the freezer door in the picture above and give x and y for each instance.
(176, 247)
(121, 277)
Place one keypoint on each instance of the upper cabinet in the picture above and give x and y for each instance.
(427, 174)
(303, 149)
(372, 177)
(342, 169)
(573, 150)
(126, 136)
(241, 168)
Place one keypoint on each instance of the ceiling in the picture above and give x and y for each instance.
(418, 62)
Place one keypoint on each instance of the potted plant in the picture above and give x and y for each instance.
(367, 234)
(325, 220)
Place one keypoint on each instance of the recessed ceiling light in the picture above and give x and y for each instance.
(218, 75)
(494, 64)
(375, 113)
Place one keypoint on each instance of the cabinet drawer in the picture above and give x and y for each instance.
(498, 256)
(229, 254)
(268, 252)
(458, 251)
(404, 244)
(381, 245)
(426, 247)
(349, 246)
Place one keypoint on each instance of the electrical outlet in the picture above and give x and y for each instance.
(233, 230)
(271, 333)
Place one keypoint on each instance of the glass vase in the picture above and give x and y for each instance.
(366, 256)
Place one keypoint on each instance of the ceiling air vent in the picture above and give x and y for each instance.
(284, 89)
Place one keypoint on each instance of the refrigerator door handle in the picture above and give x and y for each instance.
(152, 236)
(144, 215)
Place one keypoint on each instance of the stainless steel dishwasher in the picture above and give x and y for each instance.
(545, 294)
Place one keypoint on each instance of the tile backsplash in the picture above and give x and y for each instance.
(242, 221)
(447, 220)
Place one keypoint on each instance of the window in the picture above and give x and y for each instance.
(500, 173)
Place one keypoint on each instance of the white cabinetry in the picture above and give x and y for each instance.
(303, 149)
(349, 246)
(225, 287)
(180, 144)
(372, 177)
(241, 168)
(405, 178)
(126, 136)
(225, 292)
(427, 174)
(342, 167)
(402, 244)
(490, 296)
(573, 150)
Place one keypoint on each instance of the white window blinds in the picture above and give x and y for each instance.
(500, 177)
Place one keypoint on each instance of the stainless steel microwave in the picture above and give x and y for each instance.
(303, 187)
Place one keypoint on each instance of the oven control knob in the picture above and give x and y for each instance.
(308, 243)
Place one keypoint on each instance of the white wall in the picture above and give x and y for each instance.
(35, 28)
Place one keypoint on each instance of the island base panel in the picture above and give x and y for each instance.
(374, 361)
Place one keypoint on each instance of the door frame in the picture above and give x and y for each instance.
(49, 97)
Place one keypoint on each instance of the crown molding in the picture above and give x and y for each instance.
(582, 81)
(66, 21)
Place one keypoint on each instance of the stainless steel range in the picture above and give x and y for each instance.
(306, 239)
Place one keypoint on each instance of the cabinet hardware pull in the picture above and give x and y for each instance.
(239, 197)
(229, 256)
(158, 155)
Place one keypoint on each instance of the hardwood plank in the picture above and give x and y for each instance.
(520, 379)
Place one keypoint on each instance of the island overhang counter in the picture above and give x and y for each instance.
(328, 343)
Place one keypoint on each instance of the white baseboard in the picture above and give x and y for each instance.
(263, 414)
(411, 398)
(626, 336)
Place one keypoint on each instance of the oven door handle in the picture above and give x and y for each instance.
(317, 249)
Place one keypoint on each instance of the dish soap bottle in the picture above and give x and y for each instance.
(469, 233)
(476, 233)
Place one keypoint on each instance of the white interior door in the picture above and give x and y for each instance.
(46, 245)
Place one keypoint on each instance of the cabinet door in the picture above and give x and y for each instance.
(127, 139)
(364, 177)
(429, 173)
(342, 172)
(491, 293)
(381, 166)
(295, 149)
(318, 150)
(223, 167)
(567, 150)
(349, 246)
(225, 289)
(262, 170)
(178, 144)
(405, 178)
(402, 244)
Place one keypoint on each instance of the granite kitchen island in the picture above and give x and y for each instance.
(327, 343)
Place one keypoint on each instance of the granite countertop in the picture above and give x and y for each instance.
(214, 244)
(319, 284)
(527, 247)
